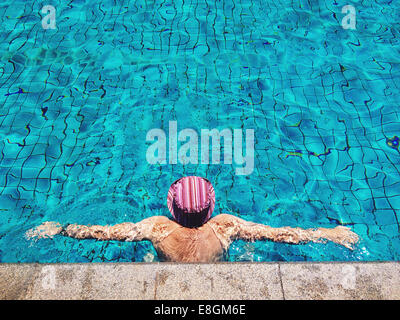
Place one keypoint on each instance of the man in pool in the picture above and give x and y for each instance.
(192, 236)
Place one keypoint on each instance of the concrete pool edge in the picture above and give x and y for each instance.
(245, 280)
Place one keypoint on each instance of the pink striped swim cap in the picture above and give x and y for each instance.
(191, 201)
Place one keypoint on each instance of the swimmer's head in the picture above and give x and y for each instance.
(191, 201)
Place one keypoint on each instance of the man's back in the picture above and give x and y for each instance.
(174, 242)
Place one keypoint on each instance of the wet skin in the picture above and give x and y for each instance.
(208, 243)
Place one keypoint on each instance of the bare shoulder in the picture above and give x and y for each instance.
(159, 227)
(225, 224)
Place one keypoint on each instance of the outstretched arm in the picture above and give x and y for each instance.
(126, 231)
(234, 228)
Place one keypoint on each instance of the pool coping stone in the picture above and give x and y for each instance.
(215, 281)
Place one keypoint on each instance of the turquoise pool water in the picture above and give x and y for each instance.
(77, 102)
